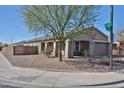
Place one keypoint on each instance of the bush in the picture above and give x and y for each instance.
(0, 48)
(48, 51)
(105, 60)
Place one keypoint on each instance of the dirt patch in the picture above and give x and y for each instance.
(74, 64)
(21, 61)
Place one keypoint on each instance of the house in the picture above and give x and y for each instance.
(118, 48)
(93, 42)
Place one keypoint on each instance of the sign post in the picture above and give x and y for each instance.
(111, 37)
(109, 27)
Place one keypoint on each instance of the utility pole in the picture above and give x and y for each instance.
(111, 37)
(11, 40)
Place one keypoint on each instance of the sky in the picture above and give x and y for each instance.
(13, 29)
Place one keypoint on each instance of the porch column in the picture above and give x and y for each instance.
(39, 47)
(69, 49)
(55, 49)
(45, 46)
(91, 48)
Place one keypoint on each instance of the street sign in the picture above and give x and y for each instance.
(108, 26)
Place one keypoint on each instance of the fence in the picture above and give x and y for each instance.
(25, 50)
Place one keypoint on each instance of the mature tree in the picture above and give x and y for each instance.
(2, 45)
(59, 21)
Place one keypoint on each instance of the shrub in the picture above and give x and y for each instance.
(105, 60)
(48, 51)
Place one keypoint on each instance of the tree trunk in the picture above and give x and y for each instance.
(60, 52)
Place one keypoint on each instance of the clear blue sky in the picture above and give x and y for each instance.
(12, 25)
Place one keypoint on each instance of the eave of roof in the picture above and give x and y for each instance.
(40, 39)
(100, 31)
(20, 42)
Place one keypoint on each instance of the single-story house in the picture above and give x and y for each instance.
(95, 43)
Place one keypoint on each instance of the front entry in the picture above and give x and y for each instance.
(81, 47)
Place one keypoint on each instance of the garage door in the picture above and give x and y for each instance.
(101, 49)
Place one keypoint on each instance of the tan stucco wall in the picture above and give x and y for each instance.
(99, 35)
(7, 50)
(69, 49)
(91, 34)
(81, 37)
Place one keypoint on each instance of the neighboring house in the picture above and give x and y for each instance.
(118, 48)
(94, 43)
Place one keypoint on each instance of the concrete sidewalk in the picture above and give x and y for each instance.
(28, 77)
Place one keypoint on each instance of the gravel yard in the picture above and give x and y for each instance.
(73, 64)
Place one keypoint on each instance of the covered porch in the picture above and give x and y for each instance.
(81, 48)
(51, 48)
(92, 48)
(78, 48)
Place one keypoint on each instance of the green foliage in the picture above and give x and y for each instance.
(59, 21)
(55, 20)
(2, 45)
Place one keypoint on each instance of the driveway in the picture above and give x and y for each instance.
(17, 77)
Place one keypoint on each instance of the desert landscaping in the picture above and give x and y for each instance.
(76, 63)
